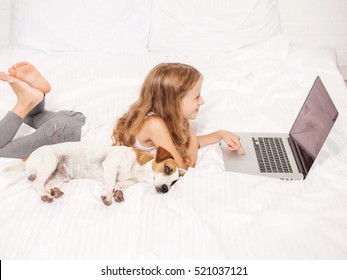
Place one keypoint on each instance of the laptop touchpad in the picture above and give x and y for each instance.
(236, 155)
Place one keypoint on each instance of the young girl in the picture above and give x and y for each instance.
(169, 98)
(30, 88)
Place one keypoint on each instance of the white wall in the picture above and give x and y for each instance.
(317, 22)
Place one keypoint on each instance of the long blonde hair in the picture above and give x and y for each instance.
(161, 93)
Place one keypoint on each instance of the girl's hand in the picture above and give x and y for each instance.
(232, 140)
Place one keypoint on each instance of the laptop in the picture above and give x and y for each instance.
(282, 155)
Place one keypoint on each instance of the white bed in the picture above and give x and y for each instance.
(210, 213)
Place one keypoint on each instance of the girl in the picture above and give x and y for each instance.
(30, 88)
(169, 98)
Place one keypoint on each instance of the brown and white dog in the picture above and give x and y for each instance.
(117, 167)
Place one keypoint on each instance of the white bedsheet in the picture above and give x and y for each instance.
(210, 213)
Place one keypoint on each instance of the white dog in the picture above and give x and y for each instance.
(117, 167)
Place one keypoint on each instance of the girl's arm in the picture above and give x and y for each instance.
(232, 140)
(193, 147)
(155, 130)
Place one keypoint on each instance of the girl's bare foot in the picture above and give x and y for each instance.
(29, 74)
(27, 96)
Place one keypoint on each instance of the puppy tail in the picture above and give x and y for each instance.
(19, 166)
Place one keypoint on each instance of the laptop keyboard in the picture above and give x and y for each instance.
(271, 154)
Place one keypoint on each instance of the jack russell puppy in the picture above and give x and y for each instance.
(117, 167)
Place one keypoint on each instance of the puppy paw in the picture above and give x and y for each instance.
(56, 193)
(105, 200)
(47, 198)
(118, 196)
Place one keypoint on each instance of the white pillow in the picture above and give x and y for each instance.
(200, 26)
(96, 26)
(5, 8)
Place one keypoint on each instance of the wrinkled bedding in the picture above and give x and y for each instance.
(209, 213)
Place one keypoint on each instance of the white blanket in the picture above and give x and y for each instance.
(210, 213)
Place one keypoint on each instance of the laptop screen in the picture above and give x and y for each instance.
(313, 124)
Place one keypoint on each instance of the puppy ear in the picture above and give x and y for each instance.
(162, 154)
(181, 172)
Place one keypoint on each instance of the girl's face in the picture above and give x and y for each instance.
(192, 101)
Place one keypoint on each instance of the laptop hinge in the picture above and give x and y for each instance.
(296, 156)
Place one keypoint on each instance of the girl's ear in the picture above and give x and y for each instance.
(162, 154)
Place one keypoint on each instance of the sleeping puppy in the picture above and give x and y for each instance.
(117, 167)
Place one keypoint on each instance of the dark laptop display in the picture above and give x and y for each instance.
(313, 124)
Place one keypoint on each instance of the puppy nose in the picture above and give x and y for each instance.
(164, 189)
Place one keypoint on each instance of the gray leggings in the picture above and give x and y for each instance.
(51, 128)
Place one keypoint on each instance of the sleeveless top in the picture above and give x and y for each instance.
(139, 146)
